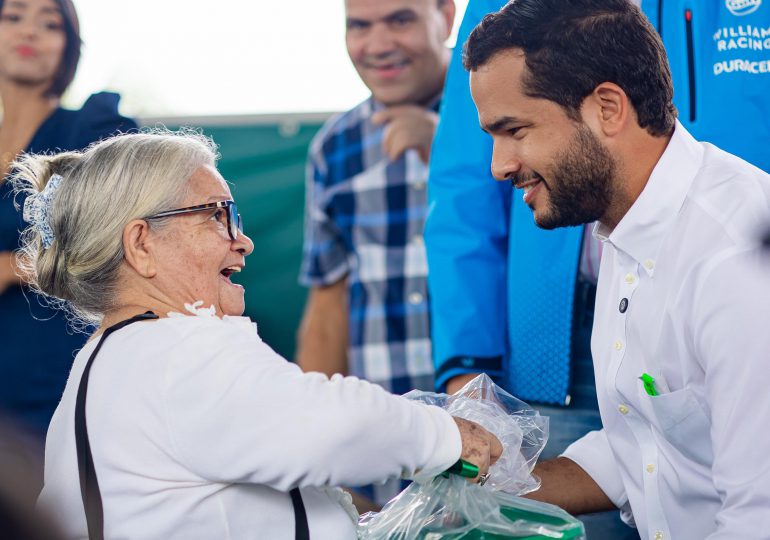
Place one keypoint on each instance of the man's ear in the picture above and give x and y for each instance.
(139, 248)
(448, 10)
(608, 109)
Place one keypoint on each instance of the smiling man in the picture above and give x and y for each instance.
(577, 98)
(364, 258)
(567, 176)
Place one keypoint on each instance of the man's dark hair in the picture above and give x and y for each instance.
(572, 46)
(71, 54)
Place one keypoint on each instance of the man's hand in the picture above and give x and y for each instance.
(566, 484)
(407, 126)
(456, 383)
(480, 447)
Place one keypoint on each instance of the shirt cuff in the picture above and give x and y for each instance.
(448, 447)
(594, 455)
(309, 279)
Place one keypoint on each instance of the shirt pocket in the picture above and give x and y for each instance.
(684, 424)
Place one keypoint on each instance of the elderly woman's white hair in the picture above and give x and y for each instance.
(102, 188)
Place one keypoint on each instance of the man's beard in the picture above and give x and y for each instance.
(581, 184)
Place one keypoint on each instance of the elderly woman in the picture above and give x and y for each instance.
(187, 425)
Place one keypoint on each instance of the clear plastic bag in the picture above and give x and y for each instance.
(452, 508)
(521, 429)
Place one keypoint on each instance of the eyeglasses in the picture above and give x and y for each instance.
(234, 223)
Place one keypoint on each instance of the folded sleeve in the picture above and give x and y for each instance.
(594, 455)
(325, 257)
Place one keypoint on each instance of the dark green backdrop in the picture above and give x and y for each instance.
(265, 162)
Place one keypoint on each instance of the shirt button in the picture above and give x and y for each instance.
(658, 535)
(630, 279)
(650, 468)
(649, 264)
(623, 305)
(419, 185)
(618, 345)
(415, 298)
(623, 409)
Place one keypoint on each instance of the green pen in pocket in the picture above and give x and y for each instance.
(649, 384)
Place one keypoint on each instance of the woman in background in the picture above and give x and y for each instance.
(39, 53)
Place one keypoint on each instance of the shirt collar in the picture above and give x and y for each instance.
(641, 231)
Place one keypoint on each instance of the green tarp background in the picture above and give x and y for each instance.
(265, 163)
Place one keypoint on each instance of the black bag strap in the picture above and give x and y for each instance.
(89, 485)
(301, 529)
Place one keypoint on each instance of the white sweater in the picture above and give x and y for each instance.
(198, 430)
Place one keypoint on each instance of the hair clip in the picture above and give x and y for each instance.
(37, 210)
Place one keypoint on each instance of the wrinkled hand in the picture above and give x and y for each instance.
(407, 126)
(480, 447)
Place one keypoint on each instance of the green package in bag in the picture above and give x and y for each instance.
(448, 507)
(454, 509)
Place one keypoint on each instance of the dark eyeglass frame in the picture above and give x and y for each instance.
(234, 222)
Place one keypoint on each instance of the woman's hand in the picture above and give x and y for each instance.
(480, 447)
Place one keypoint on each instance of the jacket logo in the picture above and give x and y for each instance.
(742, 7)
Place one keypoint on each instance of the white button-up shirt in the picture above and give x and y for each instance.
(693, 461)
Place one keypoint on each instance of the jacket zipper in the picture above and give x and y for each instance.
(690, 61)
(660, 18)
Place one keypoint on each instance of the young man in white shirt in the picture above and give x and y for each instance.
(578, 99)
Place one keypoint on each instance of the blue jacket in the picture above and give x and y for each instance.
(719, 51)
(502, 289)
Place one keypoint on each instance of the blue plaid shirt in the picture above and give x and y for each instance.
(364, 221)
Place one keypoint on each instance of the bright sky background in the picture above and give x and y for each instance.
(196, 58)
